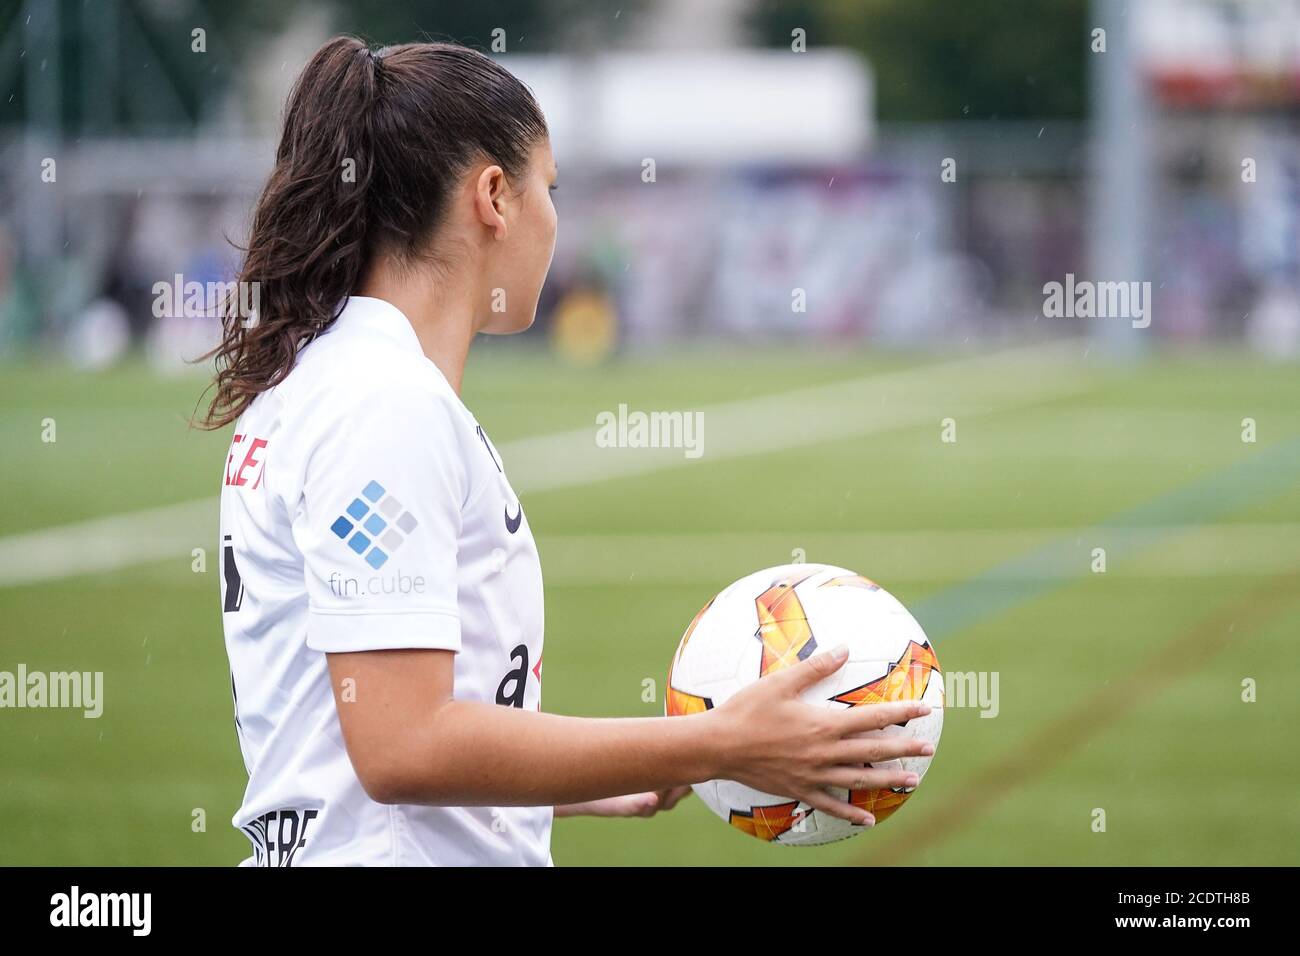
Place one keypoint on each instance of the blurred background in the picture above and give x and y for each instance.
(827, 225)
(716, 156)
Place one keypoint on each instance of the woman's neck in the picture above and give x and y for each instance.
(441, 312)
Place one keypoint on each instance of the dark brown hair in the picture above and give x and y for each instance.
(371, 147)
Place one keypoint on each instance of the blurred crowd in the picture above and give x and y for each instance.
(923, 233)
(883, 250)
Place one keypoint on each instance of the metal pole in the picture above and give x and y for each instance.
(1122, 178)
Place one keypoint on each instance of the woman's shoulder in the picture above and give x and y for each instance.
(337, 373)
(362, 401)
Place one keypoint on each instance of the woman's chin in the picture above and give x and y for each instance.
(509, 325)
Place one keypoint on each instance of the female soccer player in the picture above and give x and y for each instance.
(382, 591)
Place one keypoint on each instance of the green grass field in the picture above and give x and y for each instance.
(1119, 691)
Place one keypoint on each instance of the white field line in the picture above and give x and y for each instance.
(106, 544)
(959, 388)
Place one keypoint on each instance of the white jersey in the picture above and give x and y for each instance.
(364, 508)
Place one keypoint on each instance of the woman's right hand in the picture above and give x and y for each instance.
(779, 744)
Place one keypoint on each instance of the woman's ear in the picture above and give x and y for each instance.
(490, 198)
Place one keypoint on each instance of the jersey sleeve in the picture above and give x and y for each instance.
(379, 522)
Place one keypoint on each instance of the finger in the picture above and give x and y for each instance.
(670, 798)
(869, 778)
(823, 801)
(860, 750)
(647, 804)
(865, 717)
(806, 673)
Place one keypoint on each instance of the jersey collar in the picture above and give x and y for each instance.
(380, 316)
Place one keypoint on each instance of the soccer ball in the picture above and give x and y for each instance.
(779, 617)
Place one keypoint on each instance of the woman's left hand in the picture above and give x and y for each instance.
(631, 805)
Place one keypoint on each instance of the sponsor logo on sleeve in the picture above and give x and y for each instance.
(374, 525)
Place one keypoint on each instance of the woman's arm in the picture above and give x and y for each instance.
(411, 741)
